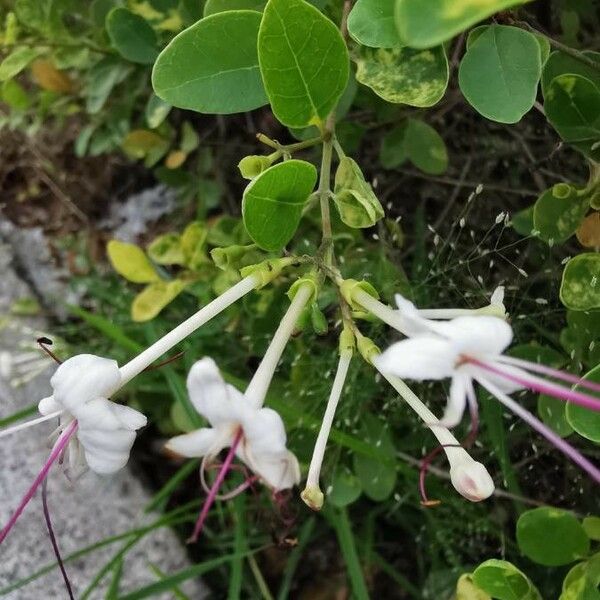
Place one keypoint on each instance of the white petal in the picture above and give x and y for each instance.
(128, 417)
(211, 396)
(497, 298)
(197, 443)
(106, 451)
(422, 357)
(97, 414)
(83, 378)
(48, 405)
(279, 471)
(478, 335)
(412, 323)
(456, 401)
(264, 431)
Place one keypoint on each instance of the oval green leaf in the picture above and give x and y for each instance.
(502, 580)
(303, 62)
(166, 250)
(345, 489)
(273, 202)
(213, 7)
(560, 63)
(584, 421)
(371, 23)
(580, 287)
(441, 20)
(130, 262)
(551, 537)
(212, 67)
(403, 75)
(572, 105)
(16, 61)
(132, 36)
(499, 73)
(426, 148)
(558, 213)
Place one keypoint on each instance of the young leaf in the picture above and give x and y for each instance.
(441, 20)
(502, 580)
(425, 147)
(580, 287)
(371, 23)
(303, 62)
(153, 298)
(558, 212)
(584, 421)
(273, 202)
(101, 80)
(500, 72)
(345, 489)
(572, 105)
(130, 262)
(132, 36)
(193, 245)
(16, 61)
(166, 250)
(403, 75)
(353, 196)
(156, 111)
(212, 67)
(560, 63)
(551, 537)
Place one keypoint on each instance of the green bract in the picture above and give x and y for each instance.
(273, 202)
(558, 212)
(132, 36)
(303, 62)
(423, 26)
(551, 537)
(584, 421)
(371, 22)
(212, 67)
(580, 287)
(500, 71)
(403, 75)
(572, 105)
(353, 196)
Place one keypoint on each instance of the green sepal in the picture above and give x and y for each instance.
(313, 280)
(349, 286)
(318, 320)
(367, 348)
(347, 342)
(230, 256)
(268, 270)
(253, 165)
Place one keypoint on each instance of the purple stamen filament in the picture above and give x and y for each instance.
(214, 490)
(539, 385)
(53, 539)
(57, 450)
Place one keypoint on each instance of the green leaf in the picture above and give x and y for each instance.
(558, 213)
(560, 63)
(403, 75)
(193, 245)
(345, 489)
(553, 412)
(213, 7)
(253, 165)
(132, 36)
(16, 61)
(101, 80)
(425, 147)
(502, 580)
(273, 202)
(522, 221)
(591, 526)
(467, 590)
(354, 197)
(499, 73)
(212, 67)
(153, 298)
(580, 287)
(441, 20)
(130, 262)
(377, 479)
(584, 421)
(166, 250)
(15, 95)
(582, 581)
(572, 106)
(551, 537)
(156, 111)
(371, 23)
(393, 148)
(303, 62)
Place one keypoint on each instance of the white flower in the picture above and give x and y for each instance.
(105, 430)
(263, 443)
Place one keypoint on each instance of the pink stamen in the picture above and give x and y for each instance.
(539, 385)
(536, 424)
(57, 450)
(212, 494)
(556, 373)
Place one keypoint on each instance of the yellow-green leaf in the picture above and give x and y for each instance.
(153, 298)
(130, 262)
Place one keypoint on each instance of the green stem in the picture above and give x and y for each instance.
(288, 148)
(323, 193)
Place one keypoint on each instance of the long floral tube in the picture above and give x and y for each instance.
(546, 432)
(59, 446)
(383, 312)
(30, 423)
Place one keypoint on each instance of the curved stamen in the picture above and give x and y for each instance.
(539, 385)
(249, 480)
(536, 424)
(556, 373)
(57, 450)
(31, 423)
(212, 495)
(42, 343)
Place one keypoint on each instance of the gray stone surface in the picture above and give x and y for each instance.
(84, 512)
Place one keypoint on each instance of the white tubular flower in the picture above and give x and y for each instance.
(470, 348)
(263, 443)
(105, 430)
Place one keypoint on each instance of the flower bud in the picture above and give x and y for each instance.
(471, 480)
